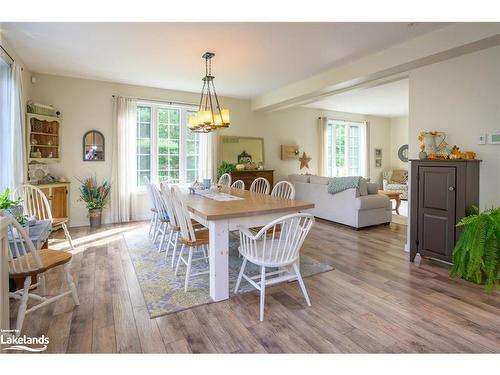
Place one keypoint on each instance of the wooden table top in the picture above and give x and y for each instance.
(252, 204)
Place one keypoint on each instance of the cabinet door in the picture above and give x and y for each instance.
(436, 211)
(59, 202)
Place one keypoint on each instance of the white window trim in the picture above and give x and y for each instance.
(183, 129)
(364, 165)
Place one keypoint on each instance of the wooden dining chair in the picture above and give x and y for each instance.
(238, 184)
(225, 180)
(279, 250)
(26, 262)
(154, 214)
(283, 189)
(190, 238)
(35, 203)
(260, 185)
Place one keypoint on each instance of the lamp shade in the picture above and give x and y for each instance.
(225, 116)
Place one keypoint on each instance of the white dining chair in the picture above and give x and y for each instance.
(173, 237)
(238, 184)
(162, 217)
(26, 262)
(225, 180)
(279, 250)
(283, 189)
(190, 238)
(154, 214)
(35, 203)
(260, 185)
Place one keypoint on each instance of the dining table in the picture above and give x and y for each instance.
(221, 212)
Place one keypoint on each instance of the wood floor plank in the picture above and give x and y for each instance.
(375, 301)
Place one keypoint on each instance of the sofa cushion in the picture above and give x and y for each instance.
(320, 180)
(299, 178)
(363, 187)
(372, 201)
(372, 188)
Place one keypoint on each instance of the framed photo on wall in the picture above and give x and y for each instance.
(378, 163)
(378, 153)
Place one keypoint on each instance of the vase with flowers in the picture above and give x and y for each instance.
(96, 197)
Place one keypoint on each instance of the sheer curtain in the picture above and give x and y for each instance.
(208, 156)
(12, 140)
(123, 165)
(323, 146)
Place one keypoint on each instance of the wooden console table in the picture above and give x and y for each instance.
(248, 176)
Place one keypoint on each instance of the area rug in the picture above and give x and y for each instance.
(164, 292)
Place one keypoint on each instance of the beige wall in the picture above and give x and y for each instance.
(461, 97)
(299, 125)
(399, 137)
(87, 105)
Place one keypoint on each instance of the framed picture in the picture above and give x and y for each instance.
(378, 163)
(378, 153)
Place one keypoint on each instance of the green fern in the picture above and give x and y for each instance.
(477, 253)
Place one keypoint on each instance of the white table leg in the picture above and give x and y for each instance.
(219, 259)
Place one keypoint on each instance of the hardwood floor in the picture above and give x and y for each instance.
(374, 301)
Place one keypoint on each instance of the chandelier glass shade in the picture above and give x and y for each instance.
(210, 116)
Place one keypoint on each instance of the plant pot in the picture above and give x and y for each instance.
(95, 217)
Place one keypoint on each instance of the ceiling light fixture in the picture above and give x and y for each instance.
(210, 116)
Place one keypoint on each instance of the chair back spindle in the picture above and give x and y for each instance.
(283, 189)
(260, 185)
(35, 202)
(183, 216)
(238, 184)
(225, 180)
(160, 204)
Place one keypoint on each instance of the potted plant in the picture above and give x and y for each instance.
(95, 196)
(225, 167)
(13, 207)
(476, 256)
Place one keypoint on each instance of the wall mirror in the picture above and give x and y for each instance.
(242, 150)
(93, 146)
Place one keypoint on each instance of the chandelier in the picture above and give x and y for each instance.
(210, 116)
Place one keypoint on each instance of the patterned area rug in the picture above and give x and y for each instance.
(164, 292)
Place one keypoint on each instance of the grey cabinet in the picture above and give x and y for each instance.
(442, 192)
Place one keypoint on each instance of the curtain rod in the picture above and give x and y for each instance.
(158, 101)
(10, 57)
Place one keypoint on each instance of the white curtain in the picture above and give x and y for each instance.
(12, 140)
(18, 131)
(123, 158)
(323, 146)
(208, 156)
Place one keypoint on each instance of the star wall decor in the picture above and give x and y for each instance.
(304, 161)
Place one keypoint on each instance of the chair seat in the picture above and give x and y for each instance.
(201, 239)
(49, 258)
(269, 259)
(59, 221)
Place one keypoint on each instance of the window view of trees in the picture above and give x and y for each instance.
(166, 149)
(346, 148)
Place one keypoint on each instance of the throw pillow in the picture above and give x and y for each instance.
(363, 187)
(399, 176)
(372, 188)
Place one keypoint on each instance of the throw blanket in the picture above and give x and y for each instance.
(338, 184)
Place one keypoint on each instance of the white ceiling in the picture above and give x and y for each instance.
(251, 58)
(387, 100)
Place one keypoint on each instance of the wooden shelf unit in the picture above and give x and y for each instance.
(43, 129)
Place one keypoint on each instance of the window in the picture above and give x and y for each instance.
(166, 149)
(346, 148)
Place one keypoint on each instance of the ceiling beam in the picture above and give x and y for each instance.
(443, 44)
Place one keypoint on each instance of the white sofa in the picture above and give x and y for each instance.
(357, 208)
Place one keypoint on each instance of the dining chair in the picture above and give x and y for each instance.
(279, 250)
(225, 180)
(154, 214)
(26, 262)
(238, 184)
(35, 203)
(190, 238)
(283, 189)
(260, 185)
(162, 217)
